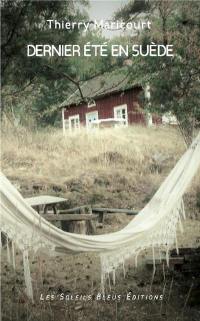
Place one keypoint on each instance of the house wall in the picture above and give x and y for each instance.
(105, 107)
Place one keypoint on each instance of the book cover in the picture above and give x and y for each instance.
(100, 155)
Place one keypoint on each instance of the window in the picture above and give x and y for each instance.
(120, 112)
(74, 123)
(90, 118)
(91, 103)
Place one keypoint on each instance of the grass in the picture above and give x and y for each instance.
(119, 167)
(37, 154)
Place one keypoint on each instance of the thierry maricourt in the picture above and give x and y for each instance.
(104, 24)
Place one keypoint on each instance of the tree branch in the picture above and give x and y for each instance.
(20, 90)
(14, 29)
(68, 77)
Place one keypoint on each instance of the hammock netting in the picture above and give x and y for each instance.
(154, 227)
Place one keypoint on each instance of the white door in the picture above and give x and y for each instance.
(90, 117)
(120, 112)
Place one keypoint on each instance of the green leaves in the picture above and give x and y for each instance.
(23, 23)
(174, 81)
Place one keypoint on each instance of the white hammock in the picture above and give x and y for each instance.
(154, 227)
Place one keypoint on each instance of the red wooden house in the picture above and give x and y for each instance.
(104, 100)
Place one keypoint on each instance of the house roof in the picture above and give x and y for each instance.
(109, 82)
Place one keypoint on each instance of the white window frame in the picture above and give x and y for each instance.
(116, 108)
(91, 103)
(63, 120)
(90, 113)
(74, 117)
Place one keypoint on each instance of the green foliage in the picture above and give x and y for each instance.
(23, 23)
(134, 7)
(36, 86)
(85, 67)
(174, 80)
